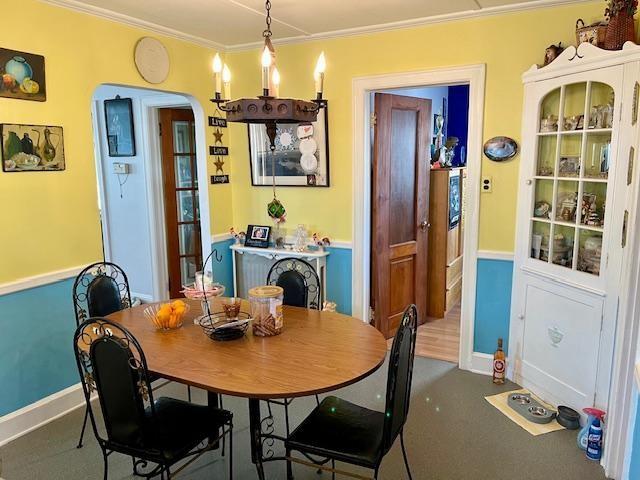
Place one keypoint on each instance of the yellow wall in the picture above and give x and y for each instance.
(49, 220)
(508, 44)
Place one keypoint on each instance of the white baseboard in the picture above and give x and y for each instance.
(482, 363)
(38, 414)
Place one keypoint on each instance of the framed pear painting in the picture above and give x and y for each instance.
(22, 75)
(31, 148)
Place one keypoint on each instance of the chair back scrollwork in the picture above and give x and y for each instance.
(99, 290)
(299, 280)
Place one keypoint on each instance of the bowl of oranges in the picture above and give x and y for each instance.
(167, 316)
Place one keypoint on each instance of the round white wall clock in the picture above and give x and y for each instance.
(152, 60)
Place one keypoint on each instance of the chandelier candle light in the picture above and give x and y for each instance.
(269, 109)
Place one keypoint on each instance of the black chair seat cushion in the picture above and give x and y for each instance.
(341, 430)
(180, 426)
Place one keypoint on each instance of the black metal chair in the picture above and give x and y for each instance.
(162, 432)
(100, 289)
(301, 286)
(342, 431)
(299, 280)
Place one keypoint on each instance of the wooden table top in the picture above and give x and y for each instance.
(315, 353)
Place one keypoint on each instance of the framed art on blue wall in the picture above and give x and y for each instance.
(118, 116)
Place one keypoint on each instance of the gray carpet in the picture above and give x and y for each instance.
(452, 434)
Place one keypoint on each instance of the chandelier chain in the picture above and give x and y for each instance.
(267, 32)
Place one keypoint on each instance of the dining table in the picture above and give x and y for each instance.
(316, 352)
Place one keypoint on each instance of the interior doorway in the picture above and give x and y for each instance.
(180, 180)
(136, 199)
(418, 177)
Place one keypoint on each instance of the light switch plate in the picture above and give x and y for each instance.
(121, 168)
(487, 184)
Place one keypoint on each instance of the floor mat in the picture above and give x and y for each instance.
(500, 402)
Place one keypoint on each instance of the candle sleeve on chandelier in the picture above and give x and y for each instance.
(226, 79)
(217, 69)
(319, 74)
(275, 81)
(266, 64)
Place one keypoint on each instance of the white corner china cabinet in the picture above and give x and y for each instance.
(579, 143)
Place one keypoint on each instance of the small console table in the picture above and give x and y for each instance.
(251, 266)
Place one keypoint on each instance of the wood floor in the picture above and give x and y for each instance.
(439, 338)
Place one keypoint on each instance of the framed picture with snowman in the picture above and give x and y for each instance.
(301, 157)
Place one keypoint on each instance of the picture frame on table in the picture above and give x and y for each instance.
(301, 155)
(257, 236)
(118, 118)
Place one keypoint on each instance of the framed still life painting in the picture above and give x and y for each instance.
(31, 148)
(121, 138)
(301, 157)
(22, 75)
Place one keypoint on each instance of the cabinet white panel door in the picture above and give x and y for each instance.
(561, 341)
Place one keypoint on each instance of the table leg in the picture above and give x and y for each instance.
(255, 429)
(213, 401)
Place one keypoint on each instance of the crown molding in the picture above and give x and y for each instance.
(134, 22)
(414, 22)
(348, 32)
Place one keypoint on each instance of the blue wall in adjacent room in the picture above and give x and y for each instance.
(339, 278)
(493, 304)
(458, 121)
(223, 271)
(634, 448)
(36, 354)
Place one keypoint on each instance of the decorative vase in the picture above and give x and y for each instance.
(19, 69)
(12, 145)
(621, 29)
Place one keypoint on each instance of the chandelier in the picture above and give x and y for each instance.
(269, 108)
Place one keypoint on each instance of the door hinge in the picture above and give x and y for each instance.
(634, 107)
(372, 315)
(159, 129)
(632, 155)
(373, 119)
(624, 228)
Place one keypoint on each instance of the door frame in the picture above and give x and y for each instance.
(151, 150)
(362, 87)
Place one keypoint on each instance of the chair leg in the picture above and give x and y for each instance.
(289, 469)
(230, 451)
(286, 415)
(333, 465)
(375, 473)
(84, 426)
(317, 400)
(106, 464)
(404, 454)
(189, 392)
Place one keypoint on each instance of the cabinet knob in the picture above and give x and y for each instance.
(529, 182)
(424, 225)
(521, 317)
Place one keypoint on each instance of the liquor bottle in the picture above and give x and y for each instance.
(499, 364)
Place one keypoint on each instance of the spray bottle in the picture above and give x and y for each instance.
(583, 436)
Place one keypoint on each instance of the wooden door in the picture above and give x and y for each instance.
(181, 207)
(400, 208)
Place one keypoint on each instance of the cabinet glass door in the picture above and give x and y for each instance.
(571, 175)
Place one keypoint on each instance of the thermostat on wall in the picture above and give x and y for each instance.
(121, 168)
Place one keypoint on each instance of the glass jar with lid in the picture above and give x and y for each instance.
(266, 310)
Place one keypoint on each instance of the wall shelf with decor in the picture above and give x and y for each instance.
(576, 175)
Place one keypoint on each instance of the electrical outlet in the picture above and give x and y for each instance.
(487, 184)
(121, 168)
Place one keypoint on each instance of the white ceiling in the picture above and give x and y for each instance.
(236, 24)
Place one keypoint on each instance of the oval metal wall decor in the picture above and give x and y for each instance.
(500, 149)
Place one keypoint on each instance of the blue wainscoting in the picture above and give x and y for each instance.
(36, 355)
(493, 304)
